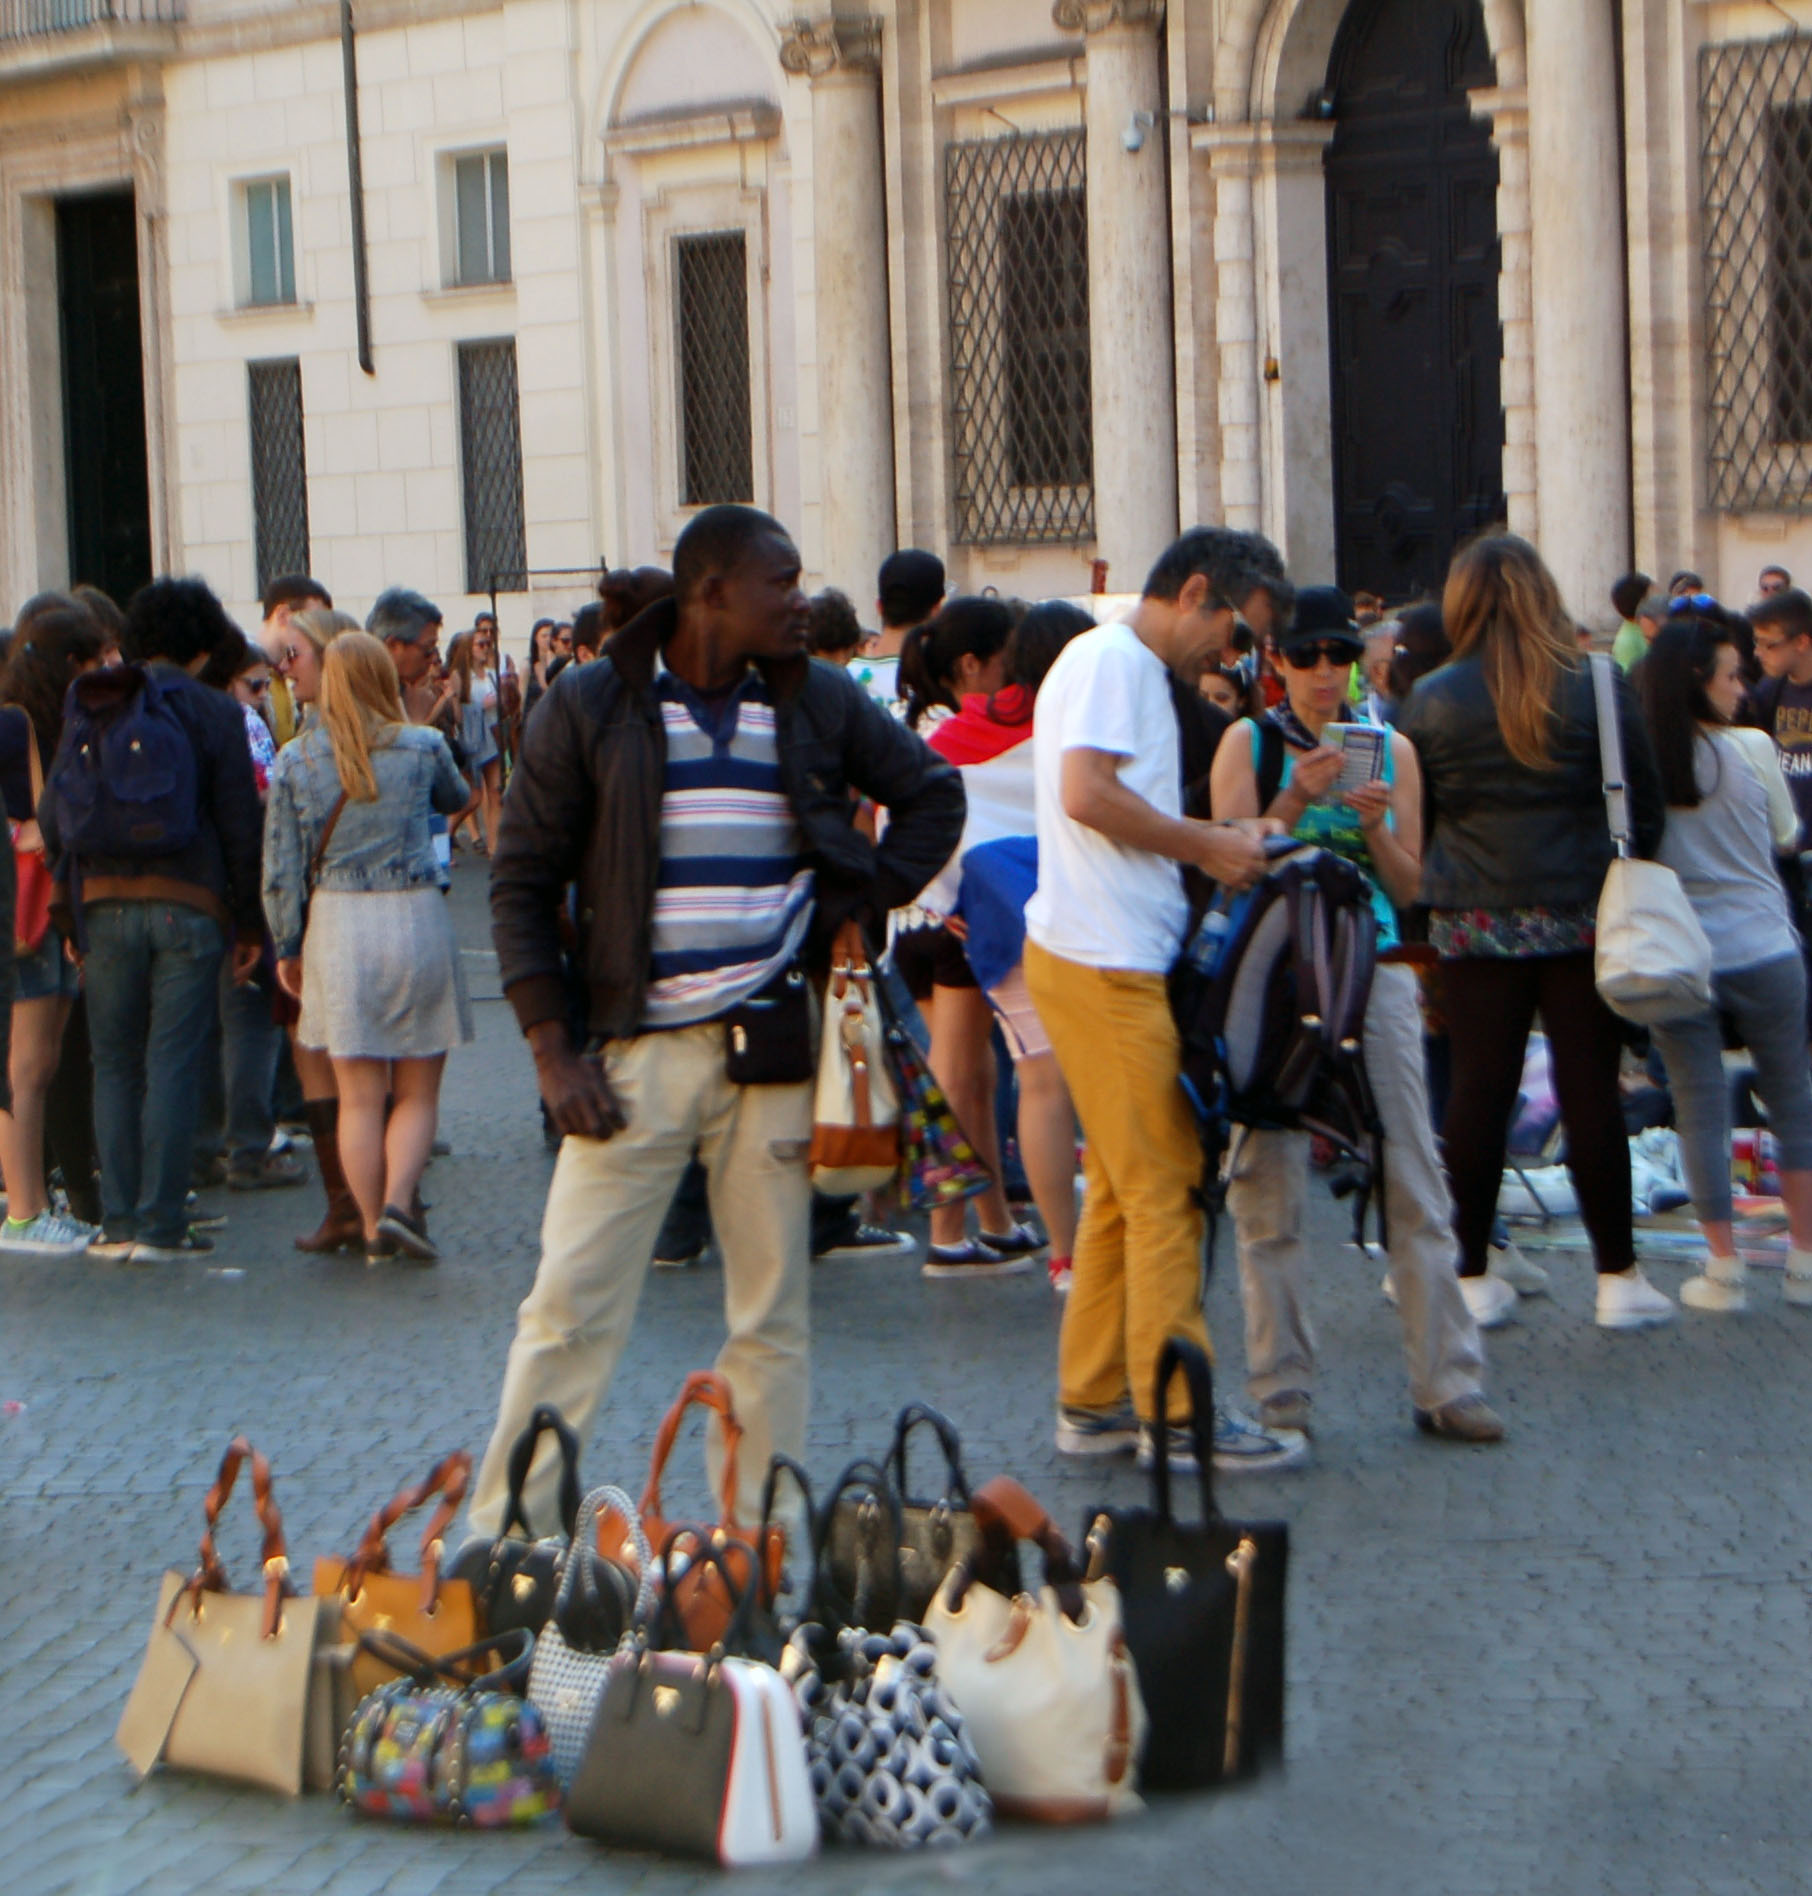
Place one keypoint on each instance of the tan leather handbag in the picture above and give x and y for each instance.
(227, 1678)
(856, 1110)
(438, 1616)
(699, 1595)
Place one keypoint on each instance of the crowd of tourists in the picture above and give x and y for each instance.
(231, 855)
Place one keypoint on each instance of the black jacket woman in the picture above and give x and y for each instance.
(1516, 849)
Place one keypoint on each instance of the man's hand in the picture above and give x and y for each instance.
(245, 960)
(1233, 857)
(289, 976)
(578, 1096)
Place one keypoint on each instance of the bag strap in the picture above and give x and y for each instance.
(1269, 767)
(448, 1478)
(1005, 1512)
(34, 764)
(881, 1501)
(585, 1542)
(1610, 749)
(210, 1576)
(545, 1420)
(1179, 1352)
(456, 1668)
(312, 874)
(704, 1389)
(669, 1631)
(921, 1414)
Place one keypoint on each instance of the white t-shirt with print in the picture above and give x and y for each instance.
(1099, 902)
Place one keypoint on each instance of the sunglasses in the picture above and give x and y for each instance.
(1691, 602)
(1307, 656)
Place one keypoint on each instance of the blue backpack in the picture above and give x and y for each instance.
(123, 784)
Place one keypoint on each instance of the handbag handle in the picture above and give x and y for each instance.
(1179, 1352)
(867, 1478)
(544, 1421)
(704, 1389)
(210, 1576)
(667, 1624)
(456, 1668)
(448, 1478)
(915, 1415)
(1005, 1513)
(585, 1538)
(1610, 750)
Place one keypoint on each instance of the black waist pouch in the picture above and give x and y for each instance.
(768, 1037)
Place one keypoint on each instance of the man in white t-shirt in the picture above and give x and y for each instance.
(1103, 930)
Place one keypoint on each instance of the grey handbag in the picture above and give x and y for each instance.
(567, 1680)
(890, 1760)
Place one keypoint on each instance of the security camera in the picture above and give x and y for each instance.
(1133, 138)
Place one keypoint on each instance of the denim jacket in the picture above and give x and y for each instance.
(376, 847)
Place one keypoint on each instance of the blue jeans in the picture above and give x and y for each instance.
(153, 981)
(239, 1075)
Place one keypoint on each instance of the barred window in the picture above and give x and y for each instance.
(481, 218)
(279, 469)
(490, 452)
(1017, 221)
(1755, 107)
(711, 296)
(269, 274)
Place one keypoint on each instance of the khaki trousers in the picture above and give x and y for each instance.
(1137, 1272)
(1266, 1192)
(604, 1212)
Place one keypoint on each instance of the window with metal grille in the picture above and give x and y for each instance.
(711, 299)
(490, 449)
(1017, 232)
(481, 218)
(270, 256)
(1755, 124)
(279, 469)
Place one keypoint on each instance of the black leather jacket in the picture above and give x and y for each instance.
(1499, 835)
(584, 807)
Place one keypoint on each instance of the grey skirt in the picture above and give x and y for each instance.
(381, 976)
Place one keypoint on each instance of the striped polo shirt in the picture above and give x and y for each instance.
(734, 899)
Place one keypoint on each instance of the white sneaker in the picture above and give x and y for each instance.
(1719, 1288)
(1491, 1300)
(1522, 1274)
(49, 1234)
(1628, 1301)
(1796, 1287)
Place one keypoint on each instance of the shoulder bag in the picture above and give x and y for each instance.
(697, 1754)
(436, 1615)
(1203, 1606)
(1045, 1682)
(1653, 957)
(226, 1681)
(514, 1579)
(856, 1114)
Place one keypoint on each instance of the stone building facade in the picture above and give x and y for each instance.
(1026, 281)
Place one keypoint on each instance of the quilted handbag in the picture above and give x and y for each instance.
(1204, 1611)
(230, 1685)
(699, 1755)
(432, 1613)
(513, 1578)
(700, 1595)
(856, 1111)
(576, 1647)
(448, 1741)
(1046, 1682)
(889, 1755)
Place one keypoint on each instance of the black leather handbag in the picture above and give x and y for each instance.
(515, 1579)
(1204, 1611)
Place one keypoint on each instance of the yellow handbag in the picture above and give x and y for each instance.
(439, 1616)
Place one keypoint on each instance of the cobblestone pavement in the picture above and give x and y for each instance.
(1574, 1664)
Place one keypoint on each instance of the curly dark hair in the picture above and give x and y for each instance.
(831, 624)
(56, 637)
(178, 620)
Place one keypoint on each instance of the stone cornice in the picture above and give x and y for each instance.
(1096, 16)
(817, 48)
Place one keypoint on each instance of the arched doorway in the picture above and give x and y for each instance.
(1418, 421)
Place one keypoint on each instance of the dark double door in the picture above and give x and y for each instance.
(109, 489)
(1412, 271)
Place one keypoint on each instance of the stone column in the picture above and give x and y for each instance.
(1507, 107)
(1132, 364)
(1577, 267)
(841, 58)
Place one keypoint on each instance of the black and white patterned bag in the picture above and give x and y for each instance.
(891, 1764)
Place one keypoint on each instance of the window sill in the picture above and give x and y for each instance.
(255, 313)
(457, 293)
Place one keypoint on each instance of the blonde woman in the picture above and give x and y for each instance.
(362, 932)
(308, 636)
(1512, 863)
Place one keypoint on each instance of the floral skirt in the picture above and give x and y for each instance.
(1512, 933)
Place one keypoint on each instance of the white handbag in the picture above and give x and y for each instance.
(1654, 959)
(1046, 1685)
(856, 1114)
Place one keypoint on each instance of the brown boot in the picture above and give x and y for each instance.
(342, 1229)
